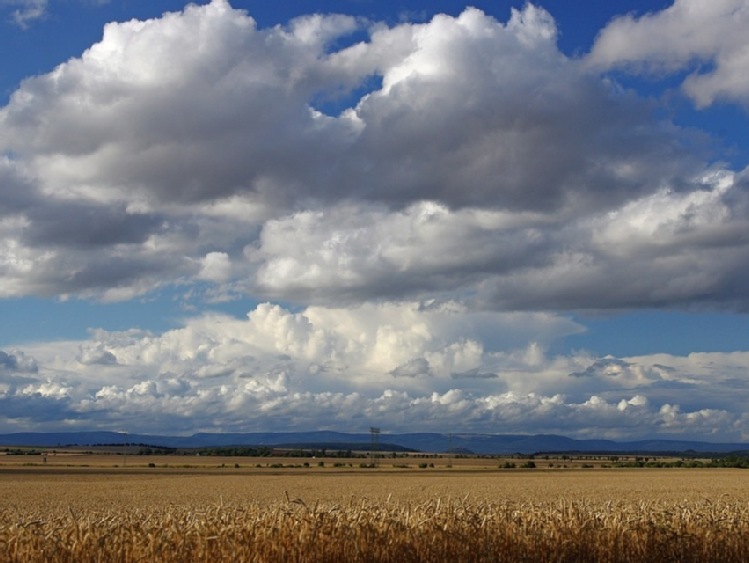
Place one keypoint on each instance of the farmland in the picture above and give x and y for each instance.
(103, 507)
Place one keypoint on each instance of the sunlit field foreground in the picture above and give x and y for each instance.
(82, 514)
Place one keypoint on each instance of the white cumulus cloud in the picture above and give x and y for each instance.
(704, 38)
(416, 209)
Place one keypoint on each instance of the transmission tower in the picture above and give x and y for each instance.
(374, 434)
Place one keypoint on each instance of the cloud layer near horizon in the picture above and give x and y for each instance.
(423, 197)
(403, 367)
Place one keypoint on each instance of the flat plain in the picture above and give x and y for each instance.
(80, 507)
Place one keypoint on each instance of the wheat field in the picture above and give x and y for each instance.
(320, 515)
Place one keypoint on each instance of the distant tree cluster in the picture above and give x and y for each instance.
(267, 451)
(731, 461)
(148, 450)
(243, 451)
(741, 462)
(131, 445)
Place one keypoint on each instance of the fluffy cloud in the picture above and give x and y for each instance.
(17, 362)
(483, 162)
(420, 199)
(364, 251)
(190, 124)
(403, 366)
(669, 248)
(215, 267)
(529, 131)
(704, 38)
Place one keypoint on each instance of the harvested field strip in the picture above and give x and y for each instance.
(362, 530)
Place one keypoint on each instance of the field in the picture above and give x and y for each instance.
(95, 507)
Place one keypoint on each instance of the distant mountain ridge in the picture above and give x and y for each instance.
(424, 442)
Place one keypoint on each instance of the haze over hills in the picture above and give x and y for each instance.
(424, 442)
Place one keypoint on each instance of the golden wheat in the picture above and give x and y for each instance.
(433, 530)
(619, 517)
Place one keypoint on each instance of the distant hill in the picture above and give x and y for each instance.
(424, 442)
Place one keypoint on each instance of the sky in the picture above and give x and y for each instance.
(498, 217)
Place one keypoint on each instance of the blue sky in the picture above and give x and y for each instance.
(493, 217)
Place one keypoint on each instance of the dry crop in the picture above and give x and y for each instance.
(434, 530)
(402, 527)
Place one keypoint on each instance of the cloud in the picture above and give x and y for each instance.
(473, 374)
(705, 39)
(17, 362)
(96, 355)
(216, 267)
(668, 249)
(27, 11)
(143, 126)
(529, 130)
(400, 366)
(418, 367)
(466, 179)
(423, 247)
(611, 367)
(483, 162)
